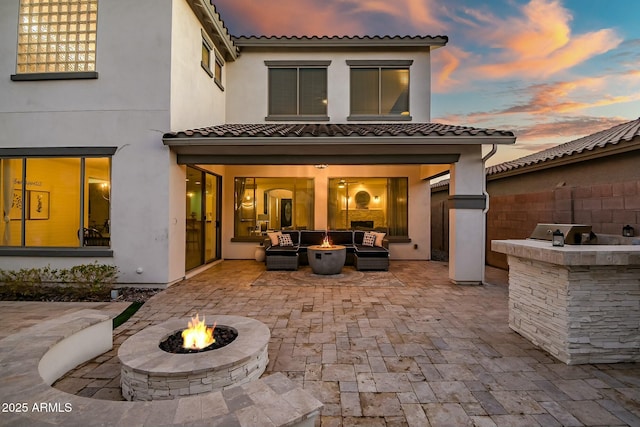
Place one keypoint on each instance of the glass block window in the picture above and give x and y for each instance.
(57, 36)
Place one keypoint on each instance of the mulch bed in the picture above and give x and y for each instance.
(72, 294)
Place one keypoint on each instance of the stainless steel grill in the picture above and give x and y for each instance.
(572, 232)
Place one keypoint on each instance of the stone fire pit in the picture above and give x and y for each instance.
(150, 373)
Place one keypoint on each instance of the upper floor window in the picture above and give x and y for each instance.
(379, 90)
(211, 56)
(56, 201)
(57, 36)
(297, 90)
(205, 61)
(217, 71)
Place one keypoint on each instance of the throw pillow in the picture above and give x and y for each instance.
(369, 239)
(273, 235)
(285, 240)
(379, 238)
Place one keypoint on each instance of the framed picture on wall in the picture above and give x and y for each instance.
(38, 204)
(286, 212)
(17, 204)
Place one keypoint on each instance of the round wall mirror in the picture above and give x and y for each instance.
(362, 200)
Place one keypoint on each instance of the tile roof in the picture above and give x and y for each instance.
(273, 130)
(616, 135)
(620, 134)
(351, 41)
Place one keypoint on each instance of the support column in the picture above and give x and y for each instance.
(467, 202)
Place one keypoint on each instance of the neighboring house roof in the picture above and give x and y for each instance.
(616, 135)
(620, 138)
(273, 130)
(342, 41)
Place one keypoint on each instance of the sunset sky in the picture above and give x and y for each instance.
(549, 70)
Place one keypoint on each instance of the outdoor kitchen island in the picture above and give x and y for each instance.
(581, 303)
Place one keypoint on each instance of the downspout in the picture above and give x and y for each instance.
(494, 149)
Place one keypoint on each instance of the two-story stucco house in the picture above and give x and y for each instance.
(141, 134)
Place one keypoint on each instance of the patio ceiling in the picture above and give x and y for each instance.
(356, 144)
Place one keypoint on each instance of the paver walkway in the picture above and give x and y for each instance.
(15, 315)
(429, 353)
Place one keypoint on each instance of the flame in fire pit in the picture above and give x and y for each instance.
(198, 336)
(325, 242)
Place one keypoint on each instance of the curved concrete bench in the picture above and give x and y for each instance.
(33, 358)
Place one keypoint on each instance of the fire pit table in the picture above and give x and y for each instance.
(327, 260)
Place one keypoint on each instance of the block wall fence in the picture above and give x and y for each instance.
(606, 207)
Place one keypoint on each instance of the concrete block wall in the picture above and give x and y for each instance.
(606, 207)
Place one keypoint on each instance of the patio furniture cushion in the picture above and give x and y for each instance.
(344, 238)
(309, 238)
(372, 251)
(281, 251)
(369, 239)
(274, 235)
(285, 240)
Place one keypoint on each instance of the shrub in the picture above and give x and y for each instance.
(87, 281)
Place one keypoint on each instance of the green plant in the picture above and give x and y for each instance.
(86, 280)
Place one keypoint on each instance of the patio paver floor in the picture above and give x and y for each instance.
(426, 354)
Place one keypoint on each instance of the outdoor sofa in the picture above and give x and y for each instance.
(289, 257)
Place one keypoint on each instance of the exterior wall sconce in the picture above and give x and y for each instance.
(321, 166)
(558, 238)
(628, 231)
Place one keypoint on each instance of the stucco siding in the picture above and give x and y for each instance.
(247, 80)
(196, 100)
(126, 107)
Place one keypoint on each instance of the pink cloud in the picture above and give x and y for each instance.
(567, 127)
(289, 17)
(528, 64)
(445, 64)
(537, 43)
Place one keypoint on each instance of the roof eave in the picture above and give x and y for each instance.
(211, 20)
(586, 155)
(340, 42)
(338, 140)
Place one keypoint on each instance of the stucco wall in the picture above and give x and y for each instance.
(196, 100)
(247, 80)
(126, 107)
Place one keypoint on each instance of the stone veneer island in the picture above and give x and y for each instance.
(579, 303)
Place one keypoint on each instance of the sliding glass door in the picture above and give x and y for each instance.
(202, 231)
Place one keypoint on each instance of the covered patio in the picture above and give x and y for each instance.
(416, 152)
(417, 351)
